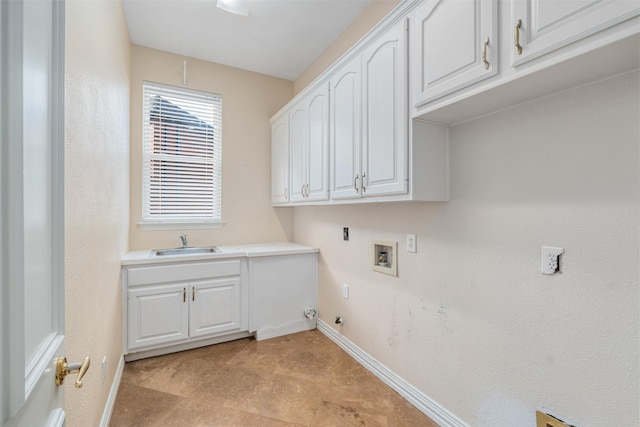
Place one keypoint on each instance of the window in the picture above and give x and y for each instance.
(181, 168)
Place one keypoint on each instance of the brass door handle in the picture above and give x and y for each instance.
(63, 369)
(517, 36)
(484, 54)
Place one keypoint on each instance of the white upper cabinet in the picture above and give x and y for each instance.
(369, 120)
(309, 130)
(376, 152)
(529, 48)
(280, 160)
(543, 26)
(384, 114)
(298, 134)
(318, 145)
(345, 124)
(454, 44)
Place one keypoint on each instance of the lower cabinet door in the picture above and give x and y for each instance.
(158, 315)
(215, 306)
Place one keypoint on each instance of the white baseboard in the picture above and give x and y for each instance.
(424, 403)
(113, 393)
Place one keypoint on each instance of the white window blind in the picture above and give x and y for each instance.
(182, 141)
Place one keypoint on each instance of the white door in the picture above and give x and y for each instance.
(318, 145)
(215, 307)
(542, 26)
(280, 160)
(454, 44)
(157, 315)
(31, 252)
(298, 144)
(384, 114)
(345, 126)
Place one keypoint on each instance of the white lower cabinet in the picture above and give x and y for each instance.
(172, 306)
(215, 307)
(157, 315)
(179, 303)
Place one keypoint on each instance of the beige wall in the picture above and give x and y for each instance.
(96, 195)
(248, 101)
(470, 320)
(360, 26)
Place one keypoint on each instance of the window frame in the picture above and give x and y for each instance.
(173, 222)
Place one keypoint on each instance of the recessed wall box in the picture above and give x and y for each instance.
(384, 257)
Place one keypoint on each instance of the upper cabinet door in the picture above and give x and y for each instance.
(454, 44)
(345, 124)
(298, 133)
(280, 161)
(318, 145)
(384, 114)
(542, 26)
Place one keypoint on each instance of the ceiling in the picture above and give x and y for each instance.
(279, 38)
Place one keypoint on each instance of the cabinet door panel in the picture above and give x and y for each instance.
(280, 161)
(318, 145)
(345, 125)
(157, 315)
(215, 307)
(448, 37)
(298, 131)
(385, 115)
(549, 25)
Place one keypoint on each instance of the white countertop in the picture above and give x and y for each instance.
(227, 251)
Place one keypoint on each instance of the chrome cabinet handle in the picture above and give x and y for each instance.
(517, 36)
(484, 54)
(364, 175)
(355, 183)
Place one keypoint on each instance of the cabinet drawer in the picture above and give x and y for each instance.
(181, 272)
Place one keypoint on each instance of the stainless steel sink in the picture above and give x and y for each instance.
(184, 251)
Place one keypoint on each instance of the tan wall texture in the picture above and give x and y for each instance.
(471, 321)
(248, 102)
(360, 26)
(96, 195)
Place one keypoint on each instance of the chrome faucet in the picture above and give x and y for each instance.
(183, 237)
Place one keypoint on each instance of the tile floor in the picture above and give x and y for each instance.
(302, 379)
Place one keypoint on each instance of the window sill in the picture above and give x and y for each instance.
(183, 225)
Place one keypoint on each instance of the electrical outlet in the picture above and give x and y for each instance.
(345, 291)
(104, 369)
(551, 259)
(412, 245)
(345, 233)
